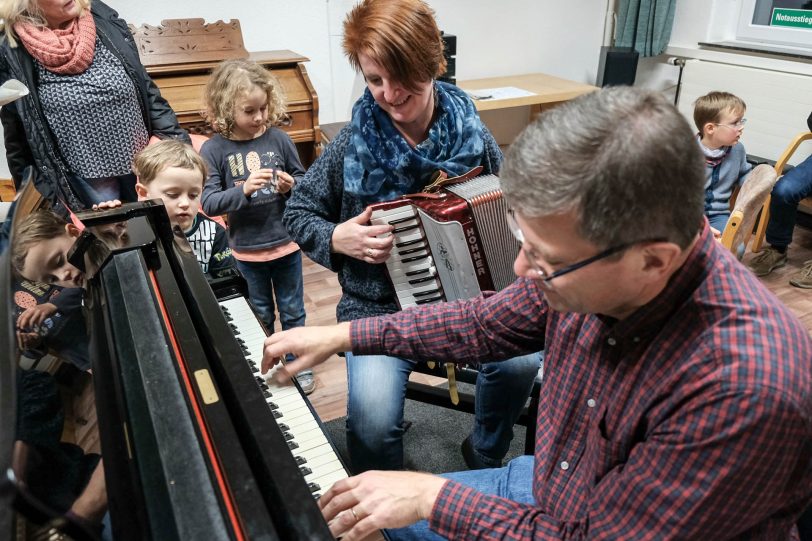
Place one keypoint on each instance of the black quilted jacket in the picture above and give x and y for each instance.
(30, 142)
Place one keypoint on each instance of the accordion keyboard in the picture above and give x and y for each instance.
(410, 265)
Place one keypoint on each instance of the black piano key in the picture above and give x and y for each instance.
(267, 394)
(416, 272)
(283, 427)
(415, 258)
(316, 495)
(276, 414)
(427, 301)
(426, 293)
(273, 405)
(421, 280)
(305, 470)
(287, 435)
(401, 220)
(314, 487)
(399, 230)
(407, 243)
(293, 445)
(299, 460)
(411, 250)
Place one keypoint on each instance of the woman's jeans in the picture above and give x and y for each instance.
(377, 392)
(280, 277)
(786, 194)
(513, 482)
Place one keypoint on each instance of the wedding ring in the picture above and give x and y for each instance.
(352, 510)
(369, 252)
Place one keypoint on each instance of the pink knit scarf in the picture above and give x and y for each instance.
(66, 51)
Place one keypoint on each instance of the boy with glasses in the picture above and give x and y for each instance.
(719, 117)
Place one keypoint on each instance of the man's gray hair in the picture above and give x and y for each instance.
(624, 159)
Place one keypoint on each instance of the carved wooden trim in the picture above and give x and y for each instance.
(188, 40)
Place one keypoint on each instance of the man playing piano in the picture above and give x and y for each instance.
(677, 393)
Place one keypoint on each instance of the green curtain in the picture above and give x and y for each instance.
(652, 19)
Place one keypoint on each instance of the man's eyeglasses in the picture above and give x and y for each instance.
(544, 276)
(735, 126)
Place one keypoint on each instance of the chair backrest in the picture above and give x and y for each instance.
(751, 197)
(790, 150)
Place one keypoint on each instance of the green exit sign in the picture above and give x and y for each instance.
(797, 18)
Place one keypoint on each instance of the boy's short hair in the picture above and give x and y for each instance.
(709, 108)
(155, 158)
(230, 80)
(38, 226)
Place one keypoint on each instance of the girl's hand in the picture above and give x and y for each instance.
(34, 316)
(256, 181)
(370, 243)
(284, 182)
(104, 205)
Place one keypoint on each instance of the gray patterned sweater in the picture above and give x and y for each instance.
(319, 204)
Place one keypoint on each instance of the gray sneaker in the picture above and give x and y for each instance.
(803, 278)
(306, 381)
(767, 261)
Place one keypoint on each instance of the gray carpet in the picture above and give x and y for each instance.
(432, 443)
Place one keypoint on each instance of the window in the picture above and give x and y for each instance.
(786, 22)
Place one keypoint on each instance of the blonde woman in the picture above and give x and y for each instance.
(92, 106)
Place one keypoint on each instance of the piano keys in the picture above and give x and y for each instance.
(300, 425)
(190, 444)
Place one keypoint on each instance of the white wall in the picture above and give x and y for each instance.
(694, 21)
(504, 38)
(493, 38)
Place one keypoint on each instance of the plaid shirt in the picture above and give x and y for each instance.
(690, 419)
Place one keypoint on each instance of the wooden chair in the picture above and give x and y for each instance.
(751, 197)
(761, 230)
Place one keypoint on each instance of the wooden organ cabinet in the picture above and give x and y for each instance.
(180, 54)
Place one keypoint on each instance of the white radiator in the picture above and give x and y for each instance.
(778, 103)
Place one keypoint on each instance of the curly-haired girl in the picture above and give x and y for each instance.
(253, 166)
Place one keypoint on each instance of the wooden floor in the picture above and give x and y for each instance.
(322, 293)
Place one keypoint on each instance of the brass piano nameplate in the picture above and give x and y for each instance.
(206, 387)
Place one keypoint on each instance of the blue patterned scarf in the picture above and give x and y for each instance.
(379, 165)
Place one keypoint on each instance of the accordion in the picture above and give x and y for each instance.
(451, 244)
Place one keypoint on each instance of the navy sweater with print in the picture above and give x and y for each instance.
(254, 222)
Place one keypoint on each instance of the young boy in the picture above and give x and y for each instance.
(174, 172)
(719, 117)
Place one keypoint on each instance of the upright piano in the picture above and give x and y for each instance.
(196, 444)
(179, 55)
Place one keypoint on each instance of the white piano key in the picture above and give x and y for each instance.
(292, 408)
